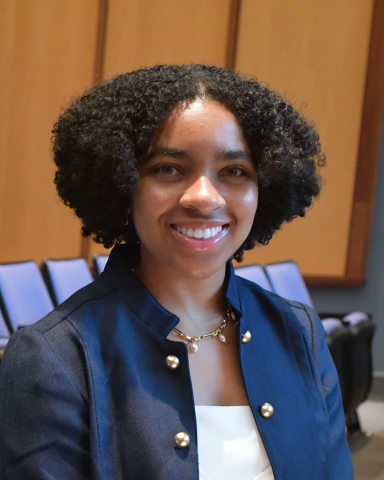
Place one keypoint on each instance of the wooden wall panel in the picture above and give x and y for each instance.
(47, 56)
(145, 32)
(315, 54)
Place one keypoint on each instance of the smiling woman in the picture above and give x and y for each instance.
(169, 366)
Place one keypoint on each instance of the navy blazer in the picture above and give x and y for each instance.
(85, 392)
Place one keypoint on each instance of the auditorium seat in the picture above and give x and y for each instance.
(339, 338)
(287, 281)
(23, 295)
(65, 276)
(4, 334)
(99, 262)
(256, 274)
(359, 374)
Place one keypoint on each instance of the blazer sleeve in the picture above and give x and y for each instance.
(339, 456)
(43, 416)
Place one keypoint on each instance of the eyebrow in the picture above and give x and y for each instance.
(167, 152)
(235, 155)
(177, 153)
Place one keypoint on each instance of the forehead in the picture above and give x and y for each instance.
(203, 121)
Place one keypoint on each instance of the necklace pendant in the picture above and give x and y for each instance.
(194, 347)
(222, 338)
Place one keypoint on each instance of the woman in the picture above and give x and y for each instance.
(181, 168)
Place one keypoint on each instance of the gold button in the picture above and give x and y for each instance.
(181, 440)
(172, 362)
(246, 337)
(267, 410)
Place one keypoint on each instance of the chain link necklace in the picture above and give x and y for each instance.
(192, 341)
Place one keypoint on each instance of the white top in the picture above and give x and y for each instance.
(229, 445)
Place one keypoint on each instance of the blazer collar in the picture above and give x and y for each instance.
(119, 274)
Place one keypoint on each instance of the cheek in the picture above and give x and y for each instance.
(149, 204)
(248, 204)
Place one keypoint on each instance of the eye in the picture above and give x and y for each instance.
(165, 169)
(235, 171)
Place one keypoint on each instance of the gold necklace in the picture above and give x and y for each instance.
(216, 333)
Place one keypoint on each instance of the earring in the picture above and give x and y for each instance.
(126, 218)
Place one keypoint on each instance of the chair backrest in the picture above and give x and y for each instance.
(4, 332)
(355, 318)
(338, 339)
(99, 262)
(64, 277)
(256, 274)
(331, 324)
(359, 359)
(24, 296)
(287, 281)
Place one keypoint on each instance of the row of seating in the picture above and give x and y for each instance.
(348, 335)
(28, 293)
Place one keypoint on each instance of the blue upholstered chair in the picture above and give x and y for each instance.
(23, 295)
(4, 334)
(64, 277)
(287, 281)
(99, 262)
(359, 355)
(339, 339)
(256, 274)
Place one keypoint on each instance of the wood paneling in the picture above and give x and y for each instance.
(315, 54)
(47, 56)
(146, 32)
(233, 31)
(369, 150)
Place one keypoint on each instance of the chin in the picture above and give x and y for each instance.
(202, 270)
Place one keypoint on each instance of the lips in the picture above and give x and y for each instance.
(206, 238)
(200, 234)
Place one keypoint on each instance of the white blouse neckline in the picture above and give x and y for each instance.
(229, 444)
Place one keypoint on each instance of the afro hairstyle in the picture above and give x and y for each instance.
(102, 138)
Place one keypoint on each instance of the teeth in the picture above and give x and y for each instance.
(198, 233)
(207, 233)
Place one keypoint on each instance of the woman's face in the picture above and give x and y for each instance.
(196, 198)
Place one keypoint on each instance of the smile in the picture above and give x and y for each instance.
(201, 234)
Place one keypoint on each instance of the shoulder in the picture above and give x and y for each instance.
(74, 307)
(58, 339)
(299, 309)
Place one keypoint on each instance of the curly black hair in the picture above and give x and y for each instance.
(103, 136)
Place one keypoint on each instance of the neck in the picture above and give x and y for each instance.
(199, 302)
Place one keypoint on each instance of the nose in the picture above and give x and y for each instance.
(202, 196)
